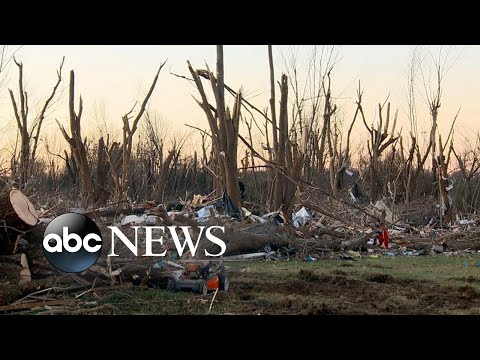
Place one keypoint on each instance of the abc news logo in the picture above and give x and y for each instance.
(73, 242)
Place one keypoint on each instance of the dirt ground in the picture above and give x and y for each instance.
(388, 285)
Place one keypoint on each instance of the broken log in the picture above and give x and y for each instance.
(96, 309)
(36, 234)
(324, 243)
(357, 244)
(17, 267)
(35, 304)
(240, 242)
(17, 215)
(16, 210)
(333, 233)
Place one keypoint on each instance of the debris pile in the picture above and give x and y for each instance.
(311, 233)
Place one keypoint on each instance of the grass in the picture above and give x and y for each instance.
(442, 270)
(387, 285)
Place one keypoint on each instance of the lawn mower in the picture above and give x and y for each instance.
(200, 279)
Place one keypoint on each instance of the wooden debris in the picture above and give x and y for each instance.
(35, 304)
(17, 215)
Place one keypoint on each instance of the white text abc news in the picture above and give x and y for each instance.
(61, 243)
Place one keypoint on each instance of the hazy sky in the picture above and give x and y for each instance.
(117, 76)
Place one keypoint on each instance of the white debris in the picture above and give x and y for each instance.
(46, 221)
(246, 256)
(151, 220)
(134, 219)
(348, 172)
(246, 212)
(258, 218)
(352, 196)
(380, 206)
(205, 212)
(466, 222)
(301, 217)
(171, 213)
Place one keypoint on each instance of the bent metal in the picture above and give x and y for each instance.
(54, 243)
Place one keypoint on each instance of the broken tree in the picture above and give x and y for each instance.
(381, 137)
(224, 127)
(29, 134)
(17, 215)
(129, 130)
(78, 145)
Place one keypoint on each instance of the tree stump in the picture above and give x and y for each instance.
(17, 215)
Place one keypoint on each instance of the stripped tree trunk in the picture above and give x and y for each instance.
(224, 127)
(78, 146)
(380, 138)
(128, 133)
(280, 151)
(29, 135)
(275, 175)
(101, 174)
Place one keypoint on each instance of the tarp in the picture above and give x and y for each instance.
(230, 208)
(301, 217)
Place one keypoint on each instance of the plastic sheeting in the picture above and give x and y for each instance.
(301, 217)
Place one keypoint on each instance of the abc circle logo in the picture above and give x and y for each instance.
(72, 242)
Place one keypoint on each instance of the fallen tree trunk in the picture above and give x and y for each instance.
(35, 304)
(17, 215)
(241, 242)
(473, 244)
(326, 243)
(358, 244)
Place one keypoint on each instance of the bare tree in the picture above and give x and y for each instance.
(224, 126)
(446, 209)
(432, 78)
(29, 131)
(77, 144)
(339, 160)
(275, 174)
(158, 163)
(6, 56)
(468, 160)
(381, 136)
(129, 129)
(412, 169)
(432, 95)
(309, 95)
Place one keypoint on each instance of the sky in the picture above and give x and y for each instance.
(115, 77)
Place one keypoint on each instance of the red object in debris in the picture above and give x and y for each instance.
(383, 237)
(213, 283)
